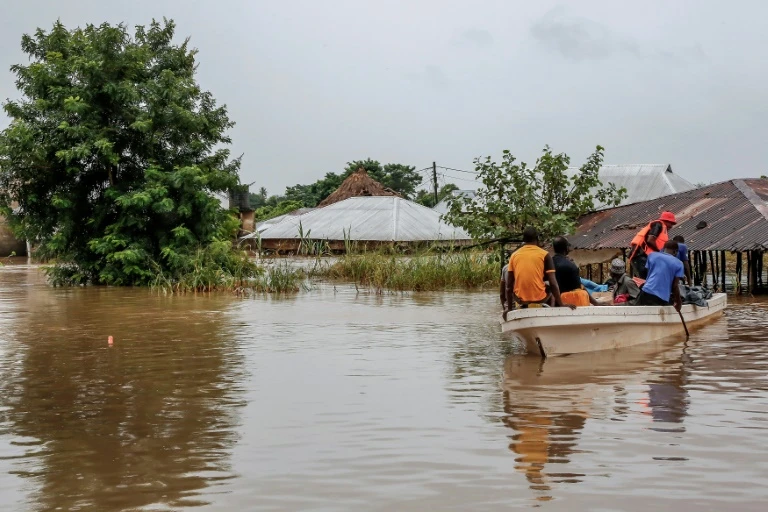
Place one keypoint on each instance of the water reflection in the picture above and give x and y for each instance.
(548, 403)
(358, 401)
(149, 421)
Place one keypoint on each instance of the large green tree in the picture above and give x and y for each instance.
(547, 196)
(114, 152)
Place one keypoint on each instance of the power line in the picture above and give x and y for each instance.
(457, 178)
(457, 170)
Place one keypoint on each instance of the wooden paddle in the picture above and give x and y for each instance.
(684, 326)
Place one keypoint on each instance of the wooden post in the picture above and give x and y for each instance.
(739, 270)
(702, 275)
(434, 180)
(722, 268)
(692, 260)
(602, 278)
(712, 261)
(749, 272)
(704, 267)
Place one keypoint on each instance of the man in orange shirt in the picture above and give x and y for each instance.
(528, 267)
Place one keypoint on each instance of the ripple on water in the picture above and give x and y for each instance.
(346, 401)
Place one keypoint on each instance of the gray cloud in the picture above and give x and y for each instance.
(313, 85)
(477, 37)
(580, 38)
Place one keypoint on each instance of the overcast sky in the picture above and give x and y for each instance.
(314, 84)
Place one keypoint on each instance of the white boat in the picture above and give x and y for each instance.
(559, 331)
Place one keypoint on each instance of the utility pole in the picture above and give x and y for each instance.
(434, 180)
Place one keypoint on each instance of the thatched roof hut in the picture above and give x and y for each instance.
(356, 185)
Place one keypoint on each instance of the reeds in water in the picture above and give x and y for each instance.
(280, 279)
(423, 272)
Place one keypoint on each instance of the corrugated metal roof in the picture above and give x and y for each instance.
(735, 213)
(642, 181)
(261, 226)
(367, 218)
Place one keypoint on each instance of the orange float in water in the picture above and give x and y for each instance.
(110, 341)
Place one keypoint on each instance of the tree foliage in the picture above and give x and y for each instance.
(403, 179)
(268, 211)
(310, 195)
(514, 195)
(427, 197)
(113, 153)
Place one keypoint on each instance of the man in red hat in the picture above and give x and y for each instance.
(650, 239)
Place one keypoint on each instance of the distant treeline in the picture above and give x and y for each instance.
(403, 179)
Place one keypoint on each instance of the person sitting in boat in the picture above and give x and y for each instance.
(682, 255)
(664, 274)
(567, 276)
(648, 240)
(528, 267)
(625, 289)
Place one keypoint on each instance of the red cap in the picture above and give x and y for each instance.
(669, 217)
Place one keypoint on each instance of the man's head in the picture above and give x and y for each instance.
(671, 247)
(560, 245)
(668, 218)
(530, 235)
(679, 239)
(618, 268)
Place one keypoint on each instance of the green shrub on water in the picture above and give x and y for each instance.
(240, 275)
(279, 279)
(423, 272)
(215, 267)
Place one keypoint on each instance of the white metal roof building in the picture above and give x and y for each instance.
(643, 182)
(376, 219)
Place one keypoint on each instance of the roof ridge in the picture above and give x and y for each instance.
(667, 171)
(395, 215)
(752, 197)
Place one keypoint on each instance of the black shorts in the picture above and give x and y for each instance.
(649, 299)
(638, 265)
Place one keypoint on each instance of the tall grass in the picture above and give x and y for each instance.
(422, 272)
(280, 279)
(237, 274)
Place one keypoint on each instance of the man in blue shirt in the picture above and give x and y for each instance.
(682, 255)
(664, 274)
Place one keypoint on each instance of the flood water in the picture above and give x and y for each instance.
(333, 400)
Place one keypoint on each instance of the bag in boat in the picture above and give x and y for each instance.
(697, 295)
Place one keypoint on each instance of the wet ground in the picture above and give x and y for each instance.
(332, 400)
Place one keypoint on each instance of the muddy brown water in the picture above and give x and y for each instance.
(332, 400)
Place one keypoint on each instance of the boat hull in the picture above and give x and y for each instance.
(561, 331)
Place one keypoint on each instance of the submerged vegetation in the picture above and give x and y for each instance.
(428, 271)
(280, 278)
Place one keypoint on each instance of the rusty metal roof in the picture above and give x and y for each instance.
(731, 216)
